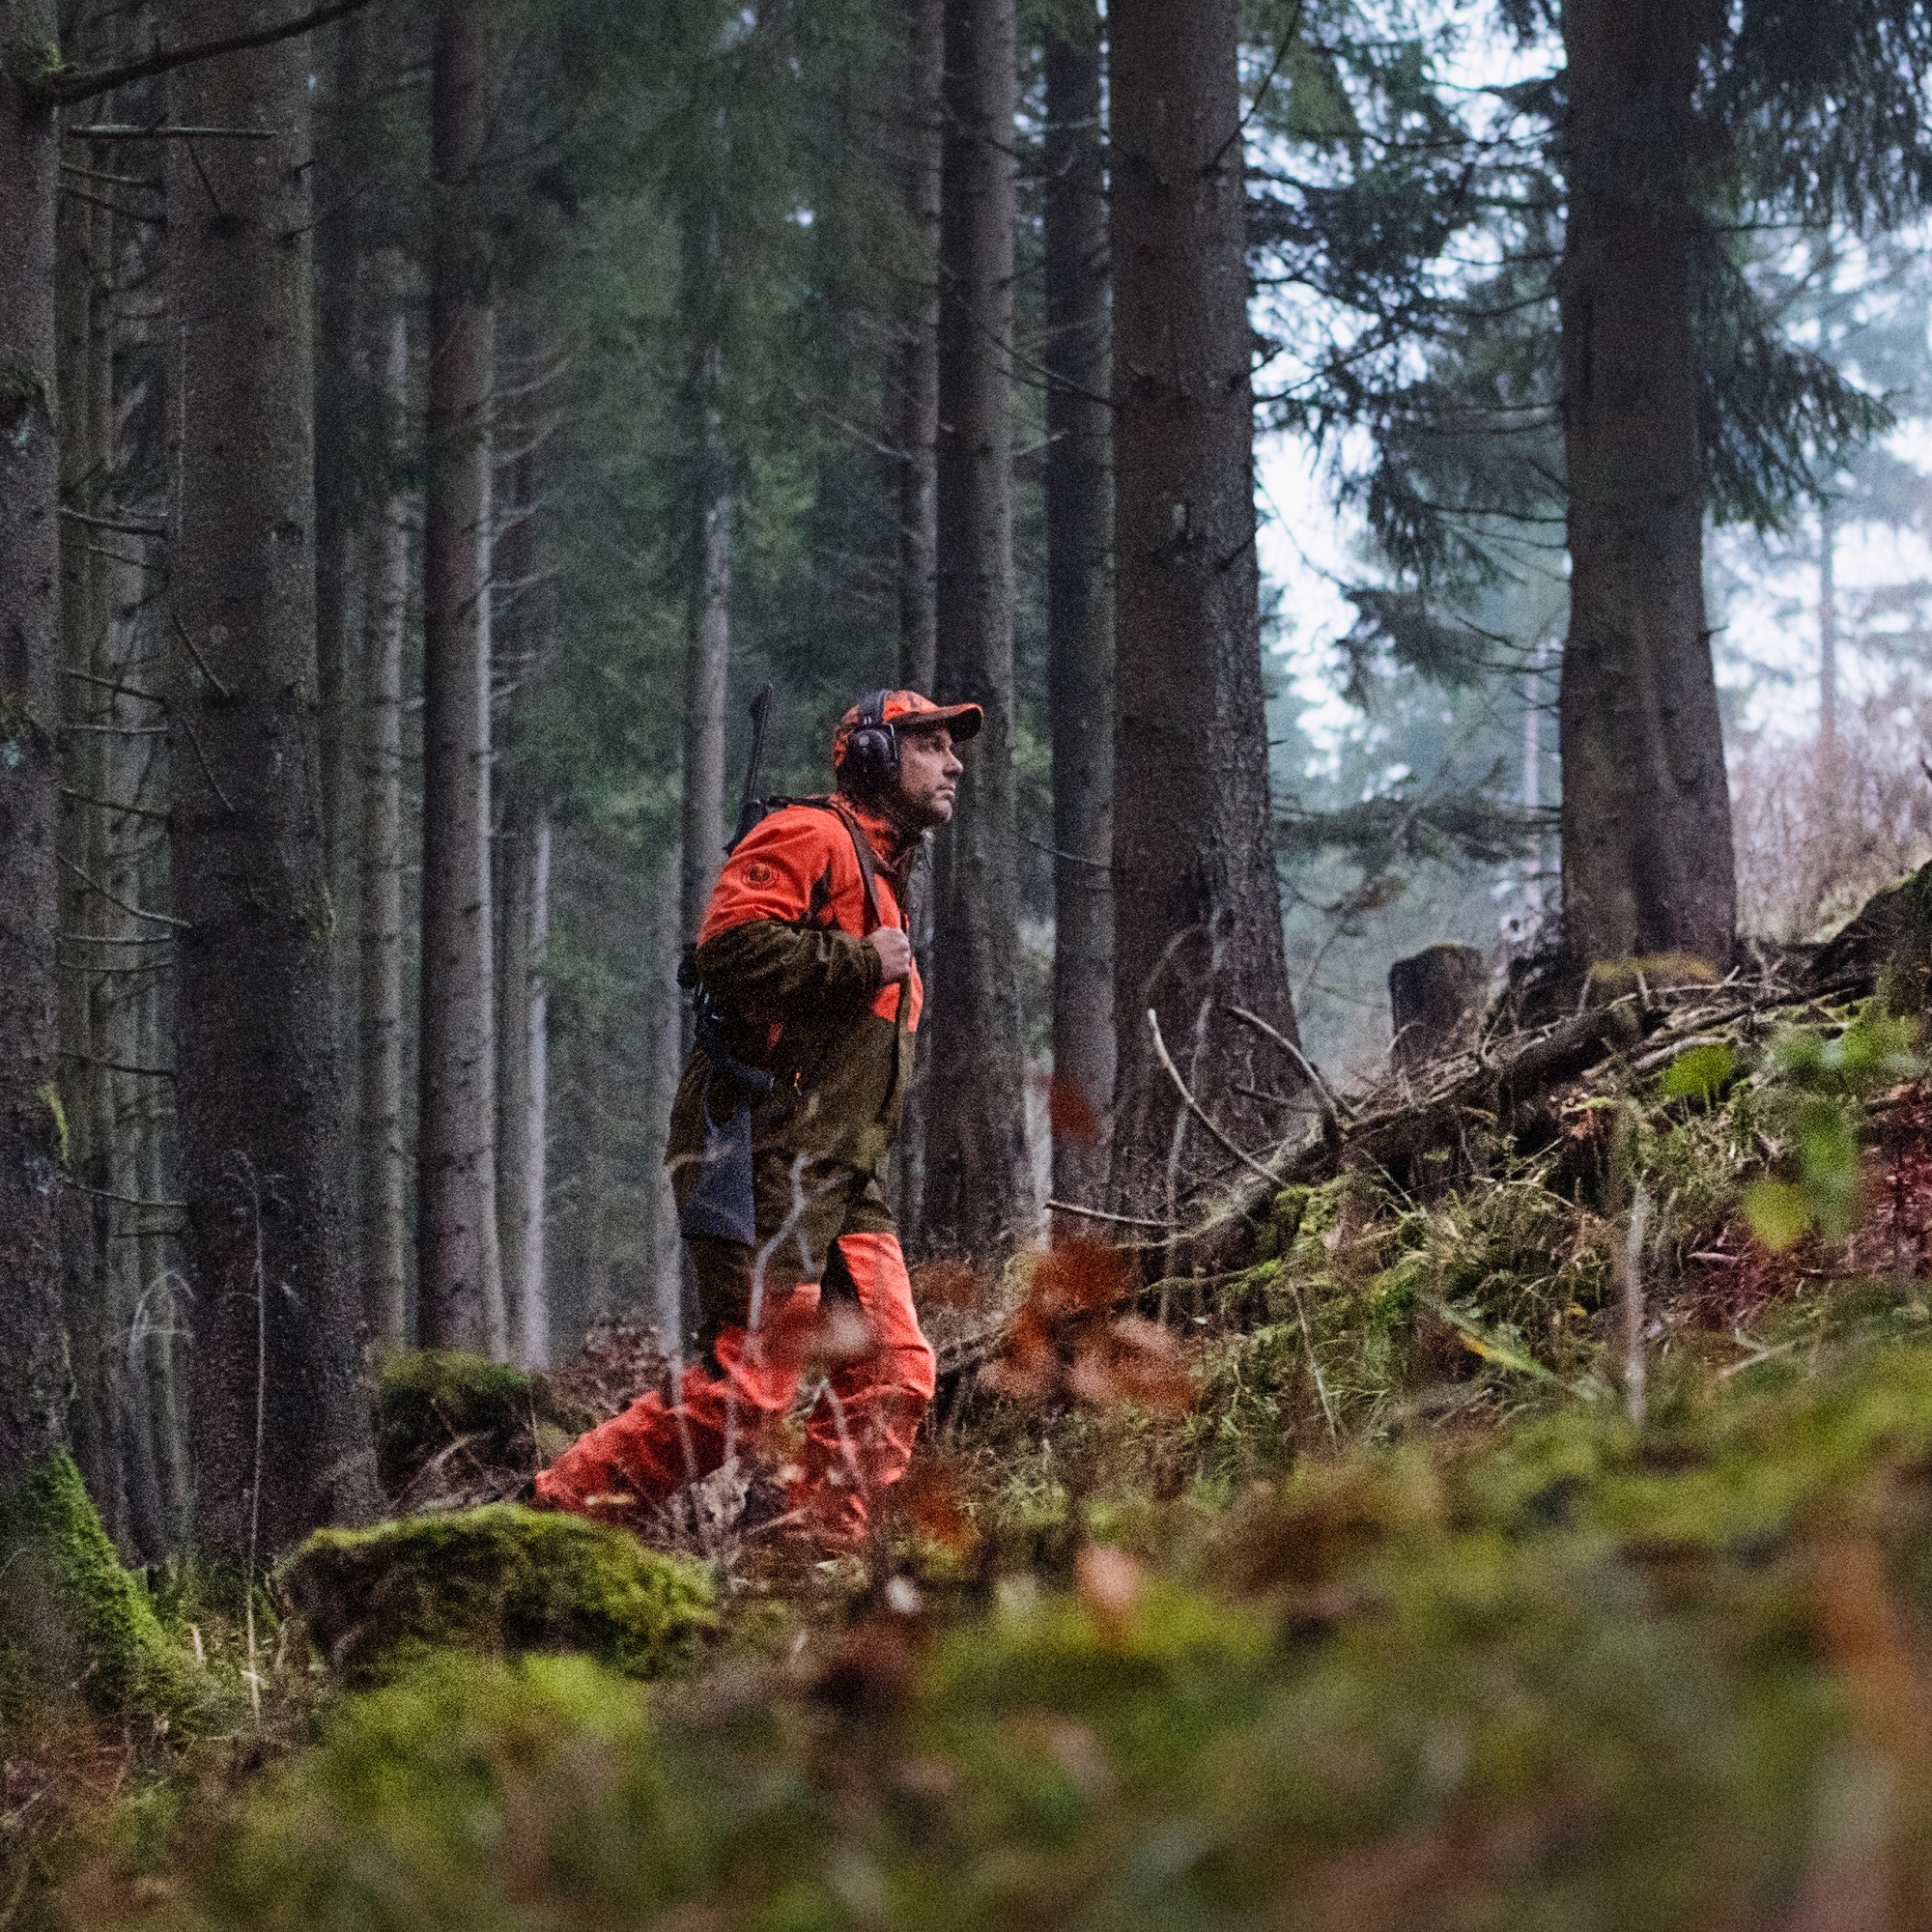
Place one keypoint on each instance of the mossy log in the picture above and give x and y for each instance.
(72, 1622)
(499, 1580)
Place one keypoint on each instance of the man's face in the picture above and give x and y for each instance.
(929, 771)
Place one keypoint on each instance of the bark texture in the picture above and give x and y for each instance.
(1647, 863)
(459, 1263)
(917, 386)
(1436, 999)
(522, 1047)
(1079, 608)
(30, 699)
(279, 1425)
(664, 1063)
(1197, 905)
(384, 1196)
(977, 1181)
(707, 656)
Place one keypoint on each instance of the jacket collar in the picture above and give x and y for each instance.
(892, 844)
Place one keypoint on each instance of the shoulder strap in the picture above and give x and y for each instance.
(861, 850)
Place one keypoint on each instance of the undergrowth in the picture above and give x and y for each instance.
(1575, 1673)
(1357, 1594)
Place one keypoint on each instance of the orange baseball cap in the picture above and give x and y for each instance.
(912, 712)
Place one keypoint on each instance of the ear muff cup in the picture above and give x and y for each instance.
(872, 749)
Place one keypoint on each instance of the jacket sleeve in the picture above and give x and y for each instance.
(760, 951)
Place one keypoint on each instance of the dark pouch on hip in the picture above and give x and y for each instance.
(720, 1207)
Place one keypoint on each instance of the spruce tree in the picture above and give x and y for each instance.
(31, 1150)
(977, 1180)
(1080, 602)
(1197, 925)
(279, 1423)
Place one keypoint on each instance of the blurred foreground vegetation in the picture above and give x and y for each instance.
(1372, 1603)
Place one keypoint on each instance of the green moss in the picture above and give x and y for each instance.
(420, 1795)
(430, 1397)
(43, 65)
(72, 1619)
(1577, 1674)
(500, 1580)
(50, 1098)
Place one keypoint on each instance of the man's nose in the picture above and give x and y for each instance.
(954, 764)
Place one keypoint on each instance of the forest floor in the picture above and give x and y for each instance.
(1526, 1526)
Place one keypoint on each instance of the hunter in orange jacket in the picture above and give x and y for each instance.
(787, 1109)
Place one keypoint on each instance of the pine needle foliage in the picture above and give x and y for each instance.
(1408, 233)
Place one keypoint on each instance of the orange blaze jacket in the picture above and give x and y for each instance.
(783, 952)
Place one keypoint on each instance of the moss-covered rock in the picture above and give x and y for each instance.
(429, 1401)
(73, 1620)
(500, 1580)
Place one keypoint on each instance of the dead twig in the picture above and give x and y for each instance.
(1102, 1214)
(94, 885)
(1628, 1262)
(1198, 1112)
(221, 691)
(1322, 1091)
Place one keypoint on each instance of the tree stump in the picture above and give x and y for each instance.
(1436, 999)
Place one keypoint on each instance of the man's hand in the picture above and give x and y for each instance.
(894, 950)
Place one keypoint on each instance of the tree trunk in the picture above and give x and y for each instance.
(1647, 864)
(1828, 630)
(663, 1062)
(342, 551)
(1079, 609)
(916, 387)
(88, 770)
(708, 655)
(1435, 998)
(520, 640)
(385, 1243)
(524, 868)
(1197, 905)
(280, 1425)
(342, 369)
(1532, 790)
(31, 1392)
(979, 1182)
(460, 1274)
(916, 397)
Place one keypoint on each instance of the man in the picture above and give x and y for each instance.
(810, 997)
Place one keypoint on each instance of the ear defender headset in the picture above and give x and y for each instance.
(873, 748)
